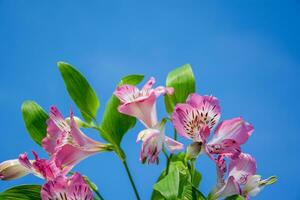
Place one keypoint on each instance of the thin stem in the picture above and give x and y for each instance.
(175, 134)
(98, 194)
(131, 180)
(192, 169)
(168, 158)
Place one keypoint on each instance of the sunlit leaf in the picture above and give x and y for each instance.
(169, 185)
(35, 120)
(183, 82)
(22, 192)
(80, 91)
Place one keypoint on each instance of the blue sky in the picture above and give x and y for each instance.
(244, 52)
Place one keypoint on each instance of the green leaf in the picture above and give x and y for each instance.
(235, 197)
(191, 193)
(114, 125)
(155, 194)
(178, 162)
(35, 120)
(169, 185)
(80, 91)
(22, 192)
(183, 82)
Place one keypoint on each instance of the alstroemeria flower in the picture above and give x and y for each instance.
(141, 103)
(196, 118)
(42, 168)
(66, 143)
(12, 169)
(240, 169)
(63, 188)
(154, 139)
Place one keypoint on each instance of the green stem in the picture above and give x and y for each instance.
(131, 180)
(168, 158)
(98, 194)
(192, 169)
(175, 134)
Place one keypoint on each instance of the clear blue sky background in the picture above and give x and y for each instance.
(244, 52)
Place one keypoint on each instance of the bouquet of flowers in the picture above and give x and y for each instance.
(194, 117)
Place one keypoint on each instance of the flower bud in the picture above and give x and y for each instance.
(193, 150)
(12, 169)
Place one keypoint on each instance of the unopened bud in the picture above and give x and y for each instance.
(12, 169)
(193, 150)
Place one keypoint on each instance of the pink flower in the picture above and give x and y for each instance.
(196, 118)
(66, 143)
(12, 169)
(154, 139)
(141, 103)
(240, 169)
(42, 168)
(64, 188)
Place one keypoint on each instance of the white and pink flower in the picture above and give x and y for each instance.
(141, 103)
(154, 139)
(196, 118)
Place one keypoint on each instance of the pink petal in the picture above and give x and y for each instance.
(144, 110)
(231, 188)
(78, 188)
(146, 133)
(208, 106)
(242, 167)
(236, 129)
(228, 137)
(149, 84)
(188, 123)
(126, 93)
(40, 167)
(68, 156)
(12, 169)
(172, 145)
(57, 129)
(67, 188)
(80, 138)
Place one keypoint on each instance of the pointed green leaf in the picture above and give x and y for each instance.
(114, 124)
(169, 185)
(80, 91)
(183, 82)
(35, 120)
(22, 192)
(191, 193)
(235, 197)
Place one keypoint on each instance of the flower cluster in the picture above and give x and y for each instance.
(193, 116)
(66, 145)
(196, 120)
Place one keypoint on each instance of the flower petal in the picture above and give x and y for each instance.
(126, 93)
(172, 145)
(144, 110)
(189, 123)
(63, 188)
(68, 156)
(242, 167)
(230, 188)
(151, 147)
(228, 137)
